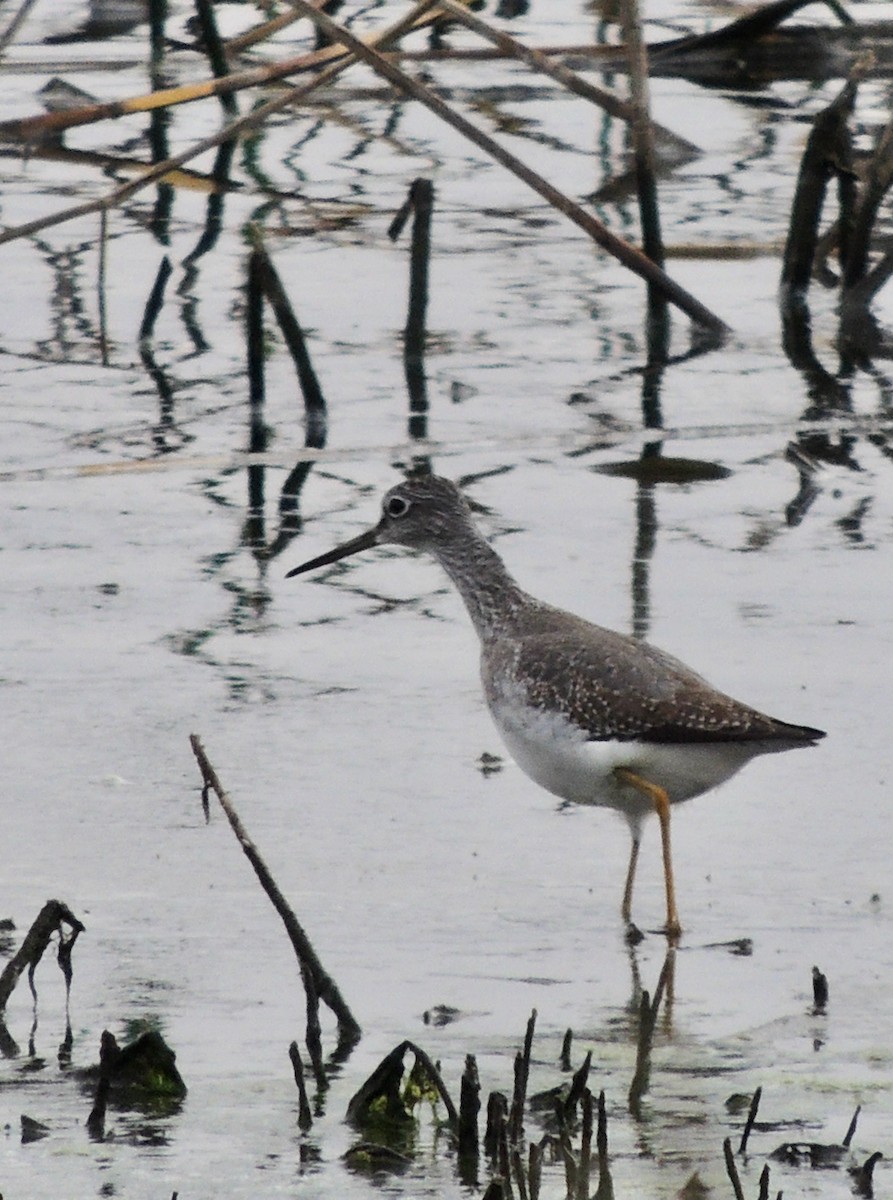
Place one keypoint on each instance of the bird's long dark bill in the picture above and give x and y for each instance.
(364, 542)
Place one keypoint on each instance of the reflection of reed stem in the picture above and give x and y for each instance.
(422, 196)
(271, 287)
(254, 310)
(214, 48)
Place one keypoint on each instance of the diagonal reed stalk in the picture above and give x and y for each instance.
(51, 124)
(625, 253)
(234, 129)
(348, 49)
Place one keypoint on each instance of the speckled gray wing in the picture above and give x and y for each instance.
(615, 688)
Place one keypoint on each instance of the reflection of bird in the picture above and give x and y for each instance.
(591, 715)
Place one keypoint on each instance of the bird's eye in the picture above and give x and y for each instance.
(397, 507)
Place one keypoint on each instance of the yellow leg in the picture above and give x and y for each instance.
(661, 801)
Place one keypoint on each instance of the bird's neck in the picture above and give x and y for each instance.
(492, 597)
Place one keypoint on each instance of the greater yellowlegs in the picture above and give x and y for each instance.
(591, 715)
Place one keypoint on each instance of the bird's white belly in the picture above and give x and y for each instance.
(558, 756)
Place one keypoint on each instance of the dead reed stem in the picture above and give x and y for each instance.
(628, 255)
(828, 152)
(605, 1189)
(578, 1087)
(858, 284)
(260, 33)
(324, 985)
(233, 130)
(732, 1169)
(585, 1164)
(751, 1117)
(643, 148)
(522, 1076)
(468, 1141)
(540, 61)
(420, 202)
(257, 385)
(648, 1010)
(30, 129)
(388, 1072)
(48, 921)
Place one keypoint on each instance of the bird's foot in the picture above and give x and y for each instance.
(633, 934)
(673, 931)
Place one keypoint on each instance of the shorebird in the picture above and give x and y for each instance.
(591, 715)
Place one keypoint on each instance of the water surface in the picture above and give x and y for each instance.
(343, 712)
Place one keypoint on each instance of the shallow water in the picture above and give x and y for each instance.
(343, 711)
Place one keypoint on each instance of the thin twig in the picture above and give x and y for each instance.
(326, 987)
(851, 1130)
